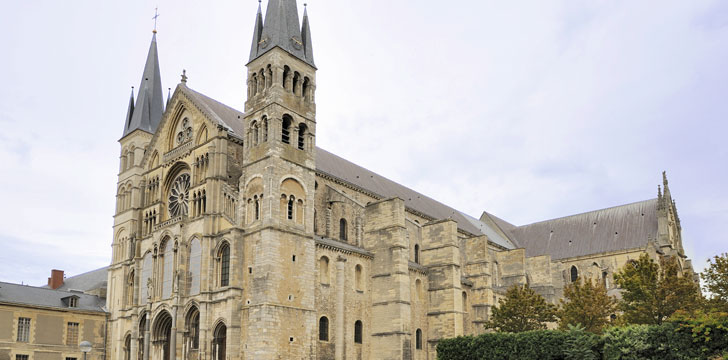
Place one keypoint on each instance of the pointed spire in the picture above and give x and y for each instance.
(306, 36)
(169, 97)
(149, 103)
(281, 29)
(257, 33)
(129, 110)
(664, 183)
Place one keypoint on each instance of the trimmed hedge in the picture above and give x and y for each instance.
(678, 340)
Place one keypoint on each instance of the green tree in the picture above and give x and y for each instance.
(521, 310)
(587, 304)
(653, 292)
(715, 277)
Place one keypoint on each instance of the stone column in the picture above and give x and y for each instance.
(134, 339)
(340, 274)
(146, 333)
(173, 335)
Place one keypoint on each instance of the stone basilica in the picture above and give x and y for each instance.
(235, 237)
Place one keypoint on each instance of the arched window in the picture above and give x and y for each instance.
(305, 87)
(574, 273)
(265, 129)
(219, 342)
(286, 75)
(168, 271)
(286, 129)
(324, 328)
(417, 253)
(342, 230)
(254, 133)
(358, 277)
(358, 329)
(418, 339)
(127, 347)
(301, 136)
(605, 280)
(324, 270)
(224, 258)
(257, 207)
(195, 266)
(291, 201)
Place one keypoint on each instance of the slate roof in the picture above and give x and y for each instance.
(349, 172)
(39, 296)
(87, 281)
(224, 115)
(623, 227)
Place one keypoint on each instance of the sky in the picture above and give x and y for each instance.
(530, 110)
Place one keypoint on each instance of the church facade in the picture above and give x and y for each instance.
(235, 237)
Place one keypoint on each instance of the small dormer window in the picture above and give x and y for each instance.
(73, 302)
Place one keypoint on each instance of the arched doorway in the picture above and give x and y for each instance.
(160, 336)
(219, 344)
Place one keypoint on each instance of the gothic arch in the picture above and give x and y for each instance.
(201, 135)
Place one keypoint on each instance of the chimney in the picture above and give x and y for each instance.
(56, 279)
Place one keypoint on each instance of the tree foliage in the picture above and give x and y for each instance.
(716, 280)
(521, 310)
(653, 292)
(587, 304)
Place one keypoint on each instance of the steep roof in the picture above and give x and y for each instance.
(147, 112)
(617, 228)
(39, 296)
(87, 281)
(224, 115)
(281, 29)
(347, 171)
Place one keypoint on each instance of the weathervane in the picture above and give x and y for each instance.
(156, 15)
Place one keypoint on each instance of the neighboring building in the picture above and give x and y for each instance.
(39, 323)
(235, 237)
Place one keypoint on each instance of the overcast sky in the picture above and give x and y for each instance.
(530, 110)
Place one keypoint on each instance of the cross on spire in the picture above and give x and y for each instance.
(156, 15)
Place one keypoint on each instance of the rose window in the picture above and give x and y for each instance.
(179, 196)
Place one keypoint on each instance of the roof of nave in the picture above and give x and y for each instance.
(617, 228)
(358, 176)
(224, 115)
(87, 281)
(41, 296)
(347, 171)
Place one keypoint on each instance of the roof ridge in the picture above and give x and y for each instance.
(586, 212)
(46, 288)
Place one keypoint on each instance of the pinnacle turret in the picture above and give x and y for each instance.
(147, 112)
(281, 29)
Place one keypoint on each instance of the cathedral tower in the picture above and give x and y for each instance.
(277, 187)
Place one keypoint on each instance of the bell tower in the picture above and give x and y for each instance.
(277, 186)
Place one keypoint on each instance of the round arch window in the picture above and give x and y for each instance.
(179, 196)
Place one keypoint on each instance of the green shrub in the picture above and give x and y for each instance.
(704, 337)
